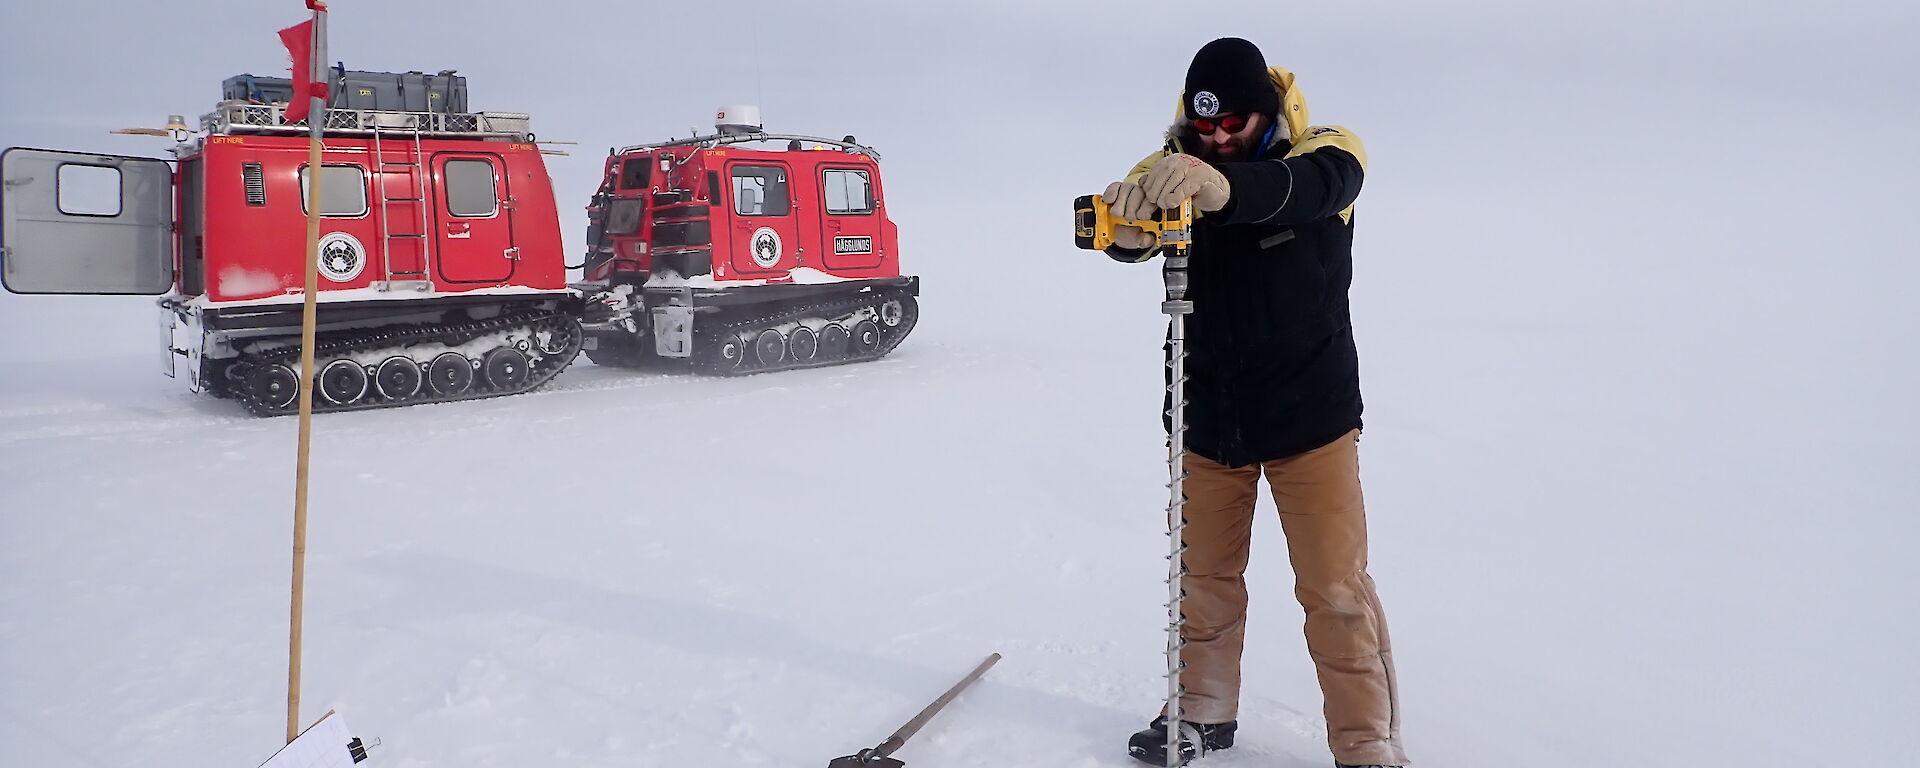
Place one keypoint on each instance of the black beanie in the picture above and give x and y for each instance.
(1229, 77)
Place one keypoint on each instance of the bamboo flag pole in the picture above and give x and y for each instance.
(316, 120)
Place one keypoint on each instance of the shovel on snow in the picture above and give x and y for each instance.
(879, 756)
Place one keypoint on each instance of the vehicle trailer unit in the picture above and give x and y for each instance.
(441, 271)
(744, 252)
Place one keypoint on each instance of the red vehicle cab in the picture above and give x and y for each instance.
(744, 258)
(441, 269)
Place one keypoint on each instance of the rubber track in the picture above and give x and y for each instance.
(707, 341)
(542, 369)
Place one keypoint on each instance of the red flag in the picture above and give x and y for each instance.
(299, 41)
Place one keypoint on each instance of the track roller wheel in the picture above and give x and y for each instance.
(506, 368)
(834, 341)
(274, 386)
(802, 343)
(450, 374)
(342, 382)
(397, 378)
(552, 342)
(730, 353)
(770, 347)
(866, 336)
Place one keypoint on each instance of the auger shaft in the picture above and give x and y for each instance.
(1176, 307)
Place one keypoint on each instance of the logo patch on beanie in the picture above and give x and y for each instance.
(1205, 104)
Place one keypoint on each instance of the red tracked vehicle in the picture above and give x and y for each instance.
(743, 252)
(442, 275)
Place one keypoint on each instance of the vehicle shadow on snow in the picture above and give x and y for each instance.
(707, 630)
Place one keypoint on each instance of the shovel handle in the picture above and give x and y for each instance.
(899, 737)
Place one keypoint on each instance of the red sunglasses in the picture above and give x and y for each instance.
(1232, 123)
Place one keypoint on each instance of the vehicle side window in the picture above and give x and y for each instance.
(343, 190)
(760, 190)
(470, 189)
(848, 191)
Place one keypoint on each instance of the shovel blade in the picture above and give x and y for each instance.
(854, 761)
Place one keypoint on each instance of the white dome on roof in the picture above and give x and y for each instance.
(737, 118)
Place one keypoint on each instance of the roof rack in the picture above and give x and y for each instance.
(715, 140)
(233, 116)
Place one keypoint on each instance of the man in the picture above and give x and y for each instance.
(1273, 389)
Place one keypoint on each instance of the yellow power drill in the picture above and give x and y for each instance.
(1094, 222)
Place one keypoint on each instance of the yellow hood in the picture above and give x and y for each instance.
(1293, 105)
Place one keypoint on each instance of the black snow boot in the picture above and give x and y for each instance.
(1150, 745)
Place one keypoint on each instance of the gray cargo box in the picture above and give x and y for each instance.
(264, 90)
(402, 91)
(353, 89)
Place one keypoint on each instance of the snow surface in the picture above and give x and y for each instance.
(1635, 300)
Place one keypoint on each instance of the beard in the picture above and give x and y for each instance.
(1241, 147)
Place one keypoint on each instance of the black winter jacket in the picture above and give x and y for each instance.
(1272, 366)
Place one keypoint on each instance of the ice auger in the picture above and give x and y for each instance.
(1175, 235)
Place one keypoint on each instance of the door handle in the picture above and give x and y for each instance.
(512, 254)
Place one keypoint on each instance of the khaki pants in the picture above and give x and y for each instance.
(1321, 512)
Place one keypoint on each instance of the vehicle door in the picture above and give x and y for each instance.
(474, 227)
(766, 239)
(848, 218)
(80, 223)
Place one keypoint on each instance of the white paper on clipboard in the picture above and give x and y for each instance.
(325, 744)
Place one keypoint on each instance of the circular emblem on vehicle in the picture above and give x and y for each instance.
(1205, 104)
(341, 257)
(766, 247)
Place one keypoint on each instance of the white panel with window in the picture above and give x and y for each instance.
(85, 223)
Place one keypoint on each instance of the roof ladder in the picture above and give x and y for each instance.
(410, 160)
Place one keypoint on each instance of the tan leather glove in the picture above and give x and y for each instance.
(1178, 177)
(1127, 201)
